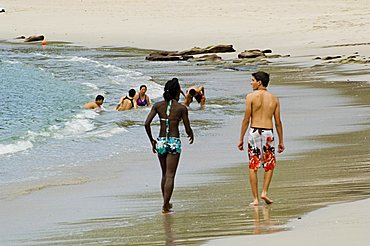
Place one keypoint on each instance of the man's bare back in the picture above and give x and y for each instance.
(263, 106)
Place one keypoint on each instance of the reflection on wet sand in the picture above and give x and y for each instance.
(169, 230)
(264, 225)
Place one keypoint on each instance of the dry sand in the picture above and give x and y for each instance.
(294, 27)
(285, 26)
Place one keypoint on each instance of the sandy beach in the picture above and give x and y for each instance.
(325, 118)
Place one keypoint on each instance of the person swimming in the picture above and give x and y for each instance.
(141, 98)
(97, 104)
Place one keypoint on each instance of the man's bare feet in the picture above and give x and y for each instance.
(266, 199)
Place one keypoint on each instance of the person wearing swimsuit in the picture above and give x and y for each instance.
(261, 107)
(142, 99)
(168, 144)
(127, 102)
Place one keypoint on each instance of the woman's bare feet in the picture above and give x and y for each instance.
(167, 209)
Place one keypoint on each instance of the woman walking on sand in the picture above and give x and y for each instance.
(168, 144)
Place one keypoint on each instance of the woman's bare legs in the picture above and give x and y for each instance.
(169, 165)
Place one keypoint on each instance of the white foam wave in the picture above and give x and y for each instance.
(79, 124)
(12, 62)
(15, 147)
(108, 133)
(214, 106)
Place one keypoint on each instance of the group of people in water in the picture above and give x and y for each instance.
(134, 100)
(261, 108)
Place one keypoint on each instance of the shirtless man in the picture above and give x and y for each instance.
(97, 104)
(261, 107)
(127, 102)
(196, 92)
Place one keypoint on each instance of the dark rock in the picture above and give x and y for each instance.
(187, 54)
(169, 57)
(210, 49)
(268, 51)
(331, 58)
(34, 38)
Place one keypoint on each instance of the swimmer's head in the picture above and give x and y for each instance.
(192, 92)
(143, 89)
(132, 92)
(172, 90)
(99, 100)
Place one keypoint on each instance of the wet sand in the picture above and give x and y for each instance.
(340, 224)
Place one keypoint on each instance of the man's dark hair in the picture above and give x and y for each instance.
(192, 92)
(99, 97)
(263, 77)
(171, 89)
(142, 86)
(132, 92)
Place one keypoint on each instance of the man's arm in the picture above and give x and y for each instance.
(202, 89)
(245, 122)
(279, 127)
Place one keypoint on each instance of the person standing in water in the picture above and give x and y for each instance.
(168, 144)
(261, 107)
(127, 102)
(196, 92)
(142, 99)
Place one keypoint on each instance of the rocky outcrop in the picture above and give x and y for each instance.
(187, 54)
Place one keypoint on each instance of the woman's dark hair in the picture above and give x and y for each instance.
(141, 86)
(171, 89)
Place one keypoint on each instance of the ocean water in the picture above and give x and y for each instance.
(44, 129)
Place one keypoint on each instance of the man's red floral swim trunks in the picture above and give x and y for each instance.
(261, 149)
